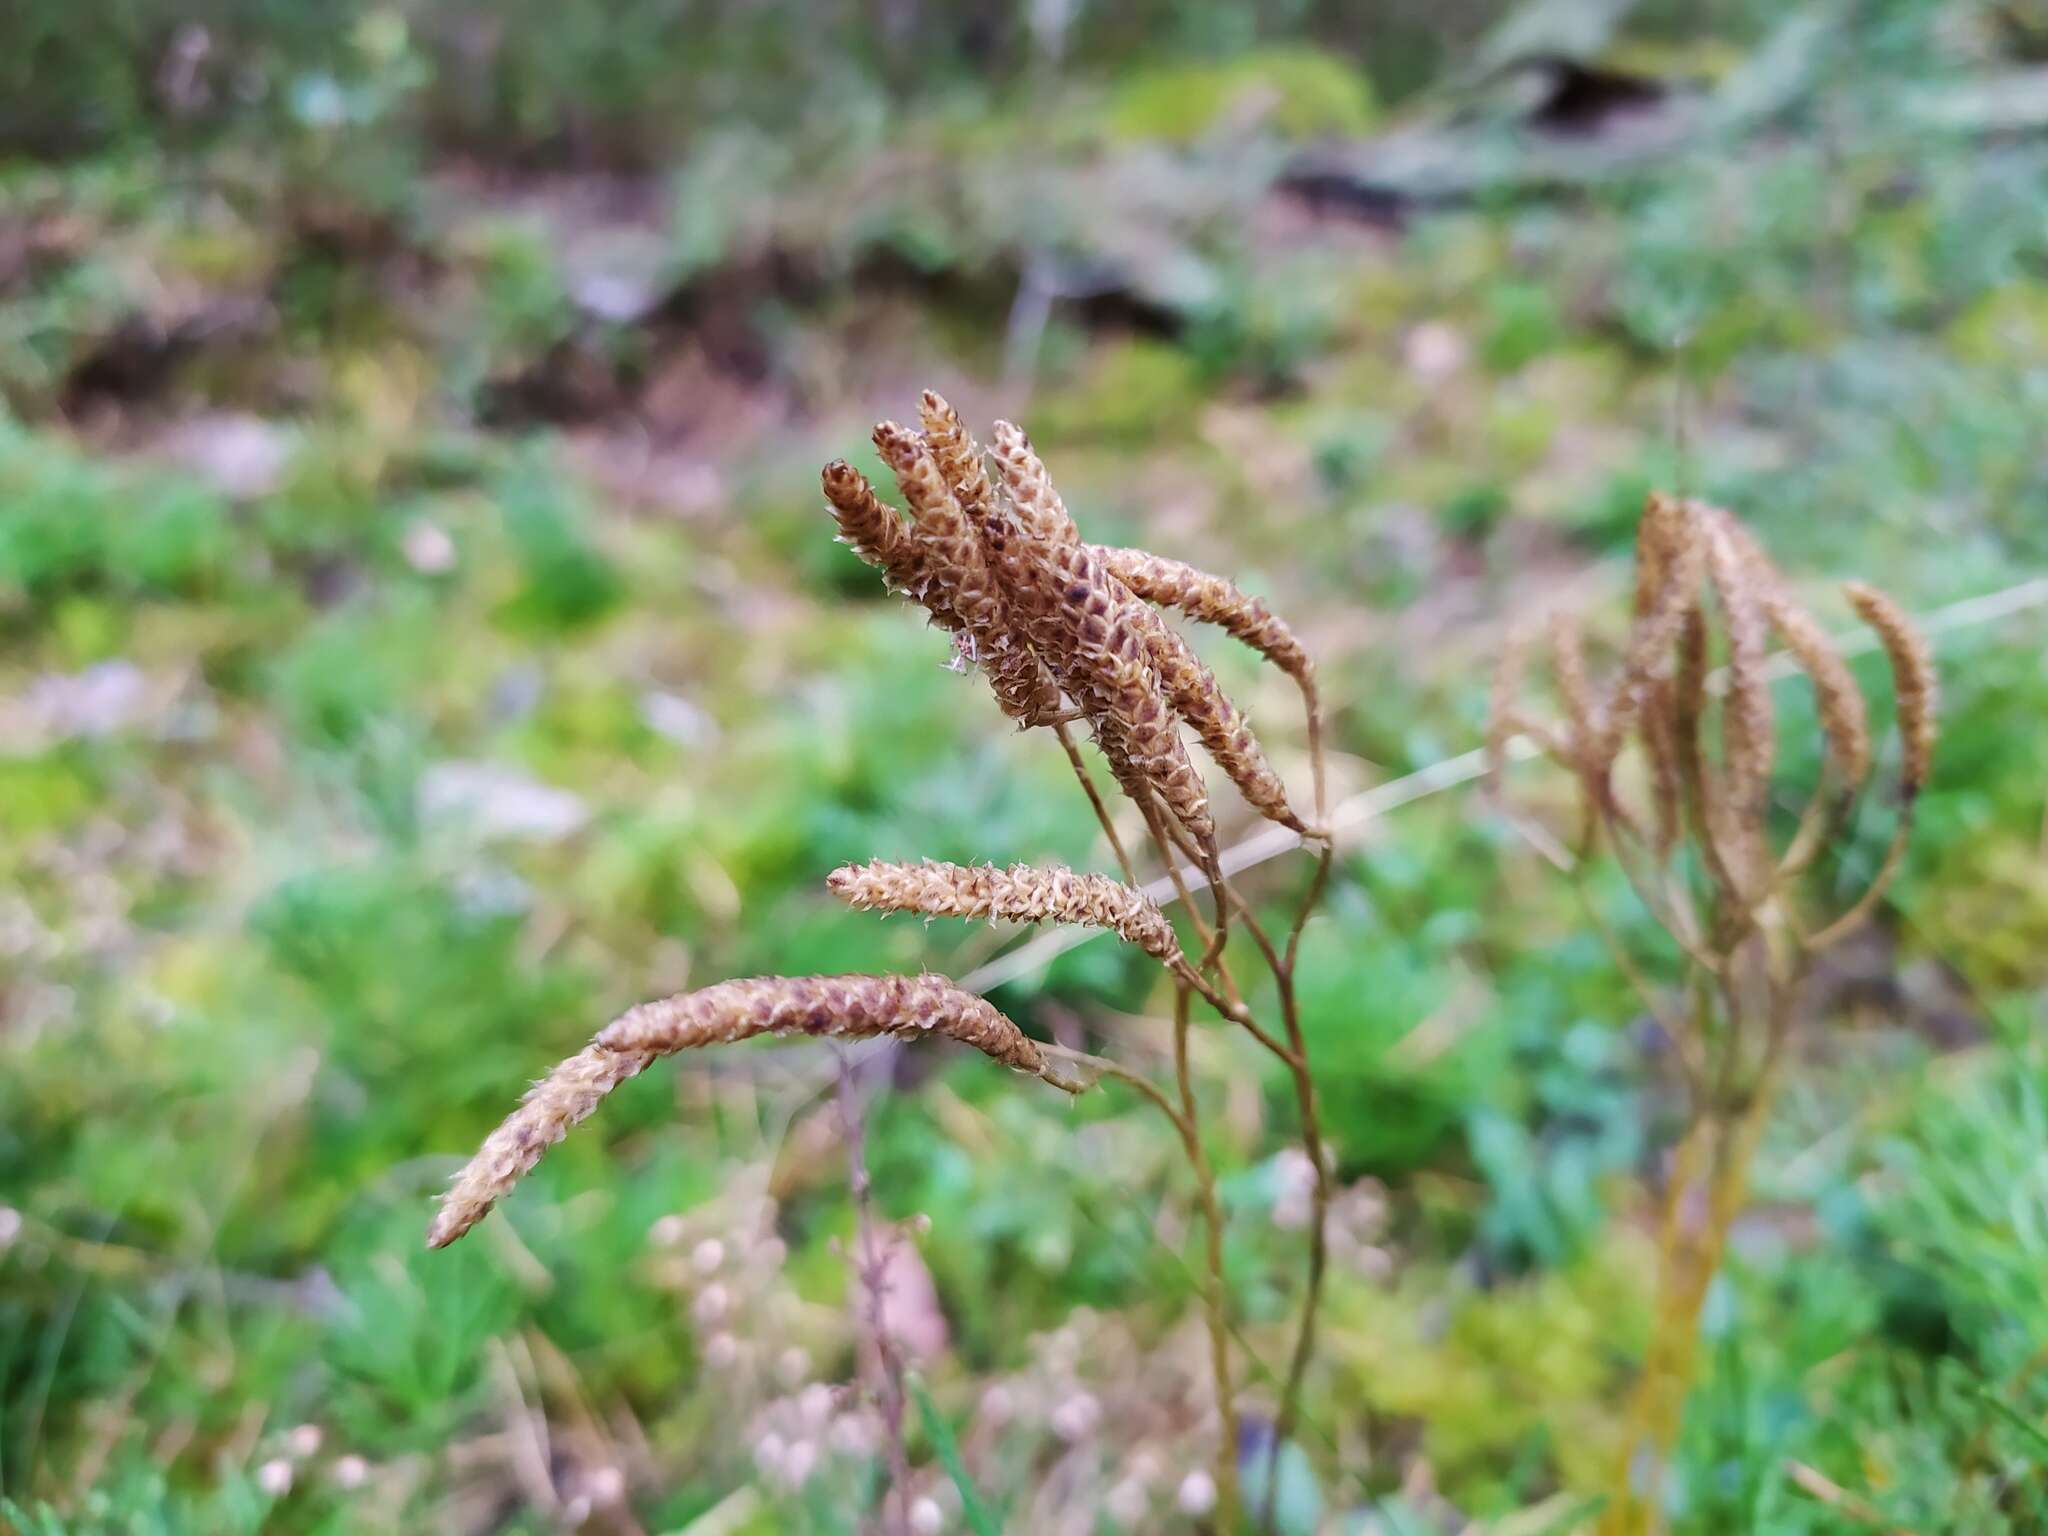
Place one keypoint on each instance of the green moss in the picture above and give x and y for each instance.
(1130, 391)
(1303, 92)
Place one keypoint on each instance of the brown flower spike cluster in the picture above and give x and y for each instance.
(1701, 573)
(1709, 857)
(1000, 563)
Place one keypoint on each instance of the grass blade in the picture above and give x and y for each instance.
(979, 1516)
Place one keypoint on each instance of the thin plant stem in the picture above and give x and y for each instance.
(1145, 1086)
(1313, 1145)
(1708, 1190)
(1283, 967)
(1681, 1040)
(870, 1266)
(1102, 816)
(1894, 856)
(1312, 709)
(1227, 1501)
(1229, 1002)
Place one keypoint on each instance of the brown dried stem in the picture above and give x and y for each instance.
(872, 1269)
(1713, 790)
(1102, 817)
(1319, 1160)
(1227, 1502)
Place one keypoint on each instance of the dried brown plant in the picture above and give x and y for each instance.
(912, 565)
(1019, 894)
(1211, 600)
(1066, 631)
(1715, 864)
(559, 1101)
(841, 1007)
(1038, 504)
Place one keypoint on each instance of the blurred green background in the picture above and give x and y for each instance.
(422, 639)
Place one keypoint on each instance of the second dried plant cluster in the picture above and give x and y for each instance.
(1750, 890)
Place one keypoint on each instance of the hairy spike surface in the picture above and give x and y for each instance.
(959, 589)
(872, 528)
(844, 1007)
(952, 549)
(1024, 476)
(1914, 682)
(1020, 894)
(1748, 724)
(1670, 554)
(958, 456)
(1575, 693)
(1092, 631)
(1844, 717)
(1210, 600)
(1105, 630)
(1201, 702)
(1659, 728)
(557, 1102)
(1703, 790)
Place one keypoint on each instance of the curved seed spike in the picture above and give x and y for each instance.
(1201, 701)
(562, 1099)
(1661, 536)
(1704, 794)
(844, 1007)
(1914, 681)
(1917, 694)
(1149, 733)
(1019, 894)
(1092, 632)
(1844, 717)
(1660, 746)
(1575, 693)
(1211, 600)
(1670, 555)
(959, 458)
(1585, 740)
(872, 528)
(941, 525)
(1748, 728)
(960, 590)
(1024, 476)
